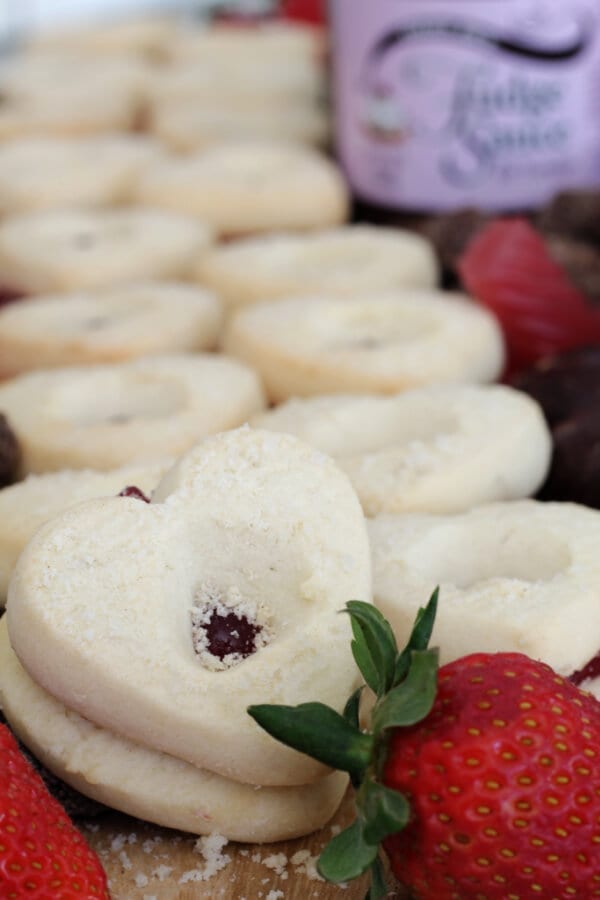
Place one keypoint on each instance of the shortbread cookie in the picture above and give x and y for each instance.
(247, 187)
(105, 416)
(435, 449)
(162, 622)
(152, 785)
(521, 576)
(106, 326)
(191, 124)
(70, 94)
(149, 37)
(25, 506)
(277, 40)
(369, 344)
(77, 249)
(228, 80)
(346, 261)
(50, 173)
(275, 62)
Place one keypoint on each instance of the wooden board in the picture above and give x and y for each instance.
(143, 861)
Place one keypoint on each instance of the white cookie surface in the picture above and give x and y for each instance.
(105, 416)
(151, 785)
(250, 525)
(107, 325)
(51, 172)
(382, 343)
(250, 186)
(70, 94)
(68, 250)
(26, 505)
(346, 261)
(520, 576)
(192, 124)
(436, 449)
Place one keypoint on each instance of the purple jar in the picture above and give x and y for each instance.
(442, 104)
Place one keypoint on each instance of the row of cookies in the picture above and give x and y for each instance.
(195, 86)
(251, 545)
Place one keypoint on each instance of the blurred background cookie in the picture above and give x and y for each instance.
(106, 326)
(248, 187)
(69, 250)
(105, 416)
(53, 173)
(373, 343)
(345, 261)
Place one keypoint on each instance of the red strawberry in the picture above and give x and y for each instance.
(508, 268)
(42, 854)
(504, 785)
(481, 780)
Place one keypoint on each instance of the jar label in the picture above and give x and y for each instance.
(449, 103)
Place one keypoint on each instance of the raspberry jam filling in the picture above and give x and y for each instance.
(224, 632)
(9, 294)
(132, 491)
(592, 670)
(230, 634)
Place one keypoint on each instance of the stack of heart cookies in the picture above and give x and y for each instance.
(161, 621)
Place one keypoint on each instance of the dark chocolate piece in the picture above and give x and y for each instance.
(10, 453)
(574, 214)
(75, 804)
(581, 261)
(567, 387)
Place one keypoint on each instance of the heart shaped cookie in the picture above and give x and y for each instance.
(162, 622)
(152, 785)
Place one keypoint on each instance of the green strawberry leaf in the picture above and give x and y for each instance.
(352, 707)
(319, 731)
(347, 855)
(383, 810)
(374, 646)
(411, 700)
(378, 889)
(419, 637)
(363, 659)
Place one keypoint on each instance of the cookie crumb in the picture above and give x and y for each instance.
(210, 847)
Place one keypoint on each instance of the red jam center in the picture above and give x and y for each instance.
(592, 670)
(132, 491)
(231, 634)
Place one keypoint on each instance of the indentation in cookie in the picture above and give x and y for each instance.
(225, 628)
(119, 403)
(518, 554)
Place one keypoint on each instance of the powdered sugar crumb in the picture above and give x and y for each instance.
(162, 872)
(277, 862)
(210, 848)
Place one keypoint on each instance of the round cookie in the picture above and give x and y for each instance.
(189, 125)
(151, 785)
(105, 416)
(273, 61)
(278, 39)
(248, 187)
(106, 326)
(520, 576)
(148, 37)
(346, 261)
(25, 506)
(383, 343)
(69, 250)
(162, 622)
(51, 172)
(53, 93)
(437, 449)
